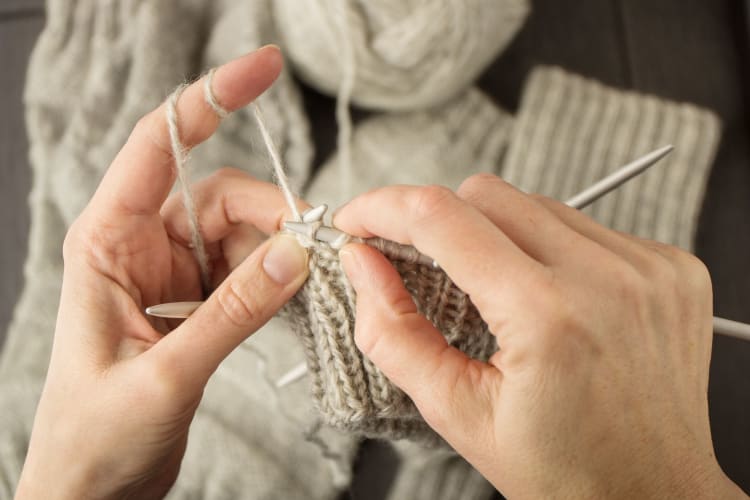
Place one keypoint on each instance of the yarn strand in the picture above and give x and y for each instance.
(278, 167)
(179, 153)
(343, 101)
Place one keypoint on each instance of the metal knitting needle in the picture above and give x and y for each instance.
(581, 200)
(173, 310)
(337, 238)
(615, 180)
(333, 236)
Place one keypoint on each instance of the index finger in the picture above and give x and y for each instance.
(475, 253)
(142, 174)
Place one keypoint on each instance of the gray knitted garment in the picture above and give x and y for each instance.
(113, 61)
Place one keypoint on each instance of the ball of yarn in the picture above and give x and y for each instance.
(407, 54)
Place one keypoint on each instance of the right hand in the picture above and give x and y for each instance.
(599, 386)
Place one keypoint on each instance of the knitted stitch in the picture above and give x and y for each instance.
(351, 392)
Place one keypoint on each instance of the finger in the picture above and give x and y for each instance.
(225, 200)
(481, 259)
(244, 302)
(142, 174)
(450, 390)
(623, 245)
(532, 227)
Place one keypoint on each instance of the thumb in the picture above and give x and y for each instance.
(449, 388)
(243, 303)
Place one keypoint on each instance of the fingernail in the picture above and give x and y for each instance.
(351, 265)
(336, 212)
(285, 260)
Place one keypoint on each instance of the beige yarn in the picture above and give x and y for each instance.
(409, 54)
(351, 392)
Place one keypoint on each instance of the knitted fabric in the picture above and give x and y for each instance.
(352, 393)
(572, 131)
(111, 62)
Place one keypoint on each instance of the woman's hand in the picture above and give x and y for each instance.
(599, 386)
(120, 393)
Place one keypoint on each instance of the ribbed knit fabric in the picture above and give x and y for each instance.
(351, 392)
(440, 475)
(571, 131)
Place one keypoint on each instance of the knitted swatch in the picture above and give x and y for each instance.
(351, 392)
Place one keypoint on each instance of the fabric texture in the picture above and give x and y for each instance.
(572, 131)
(400, 54)
(568, 133)
(116, 60)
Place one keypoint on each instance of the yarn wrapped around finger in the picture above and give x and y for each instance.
(408, 54)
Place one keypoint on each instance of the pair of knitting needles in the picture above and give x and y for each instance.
(311, 226)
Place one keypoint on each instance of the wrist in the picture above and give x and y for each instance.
(39, 482)
(706, 481)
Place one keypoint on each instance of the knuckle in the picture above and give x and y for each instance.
(230, 173)
(152, 127)
(89, 243)
(431, 202)
(366, 338)
(694, 271)
(238, 304)
(540, 198)
(556, 313)
(631, 288)
(681, 270)
(550, 204)
(477, 184)
(73, 241)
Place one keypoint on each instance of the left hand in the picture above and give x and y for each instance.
(120, 393)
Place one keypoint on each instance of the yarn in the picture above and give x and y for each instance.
(278, 168)
(343, 100)
(409, 54)
(350, 392)
(179, 154)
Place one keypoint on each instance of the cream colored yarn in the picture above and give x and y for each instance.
(408, 54)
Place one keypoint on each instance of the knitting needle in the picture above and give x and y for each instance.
(615, 180)
(173, 310)
(731, 328)
(581, 200)
(334, 236)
